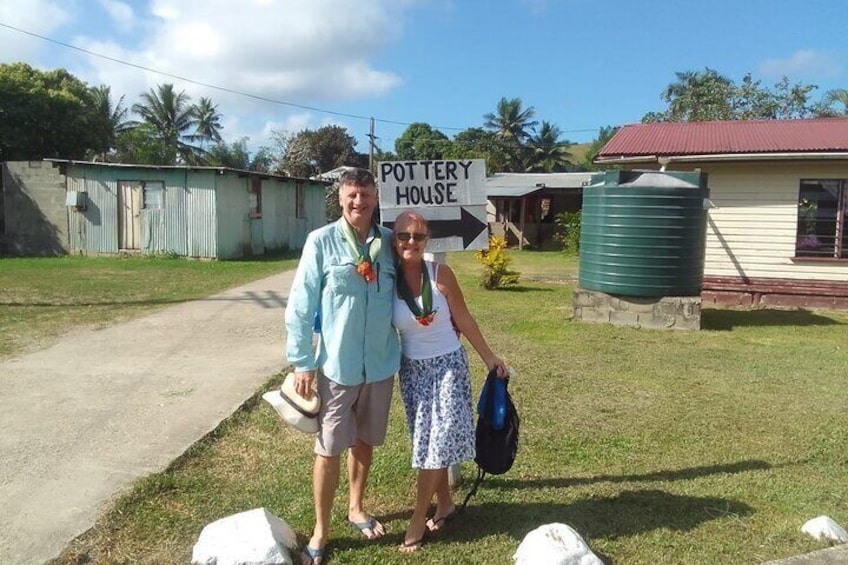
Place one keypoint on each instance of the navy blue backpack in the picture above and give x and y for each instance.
(496, 436)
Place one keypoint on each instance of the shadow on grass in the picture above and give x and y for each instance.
(267, 299)
(520, 288)
(626, 514)
(726, 320)
(673, 475)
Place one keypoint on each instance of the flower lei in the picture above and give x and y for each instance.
(364, 265)
(423, 316)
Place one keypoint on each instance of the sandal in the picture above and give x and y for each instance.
(312, 556)
(435, 524)
(370, 524)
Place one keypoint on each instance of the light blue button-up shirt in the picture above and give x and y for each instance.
(358, 343)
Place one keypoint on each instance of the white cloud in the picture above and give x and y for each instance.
(293, 50)
(806, 64)
(39, 16)
(120, 12)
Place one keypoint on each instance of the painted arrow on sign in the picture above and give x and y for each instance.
(468, 227)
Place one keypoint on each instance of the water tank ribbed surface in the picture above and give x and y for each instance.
(643, 233)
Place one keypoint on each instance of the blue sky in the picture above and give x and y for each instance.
(581, 64)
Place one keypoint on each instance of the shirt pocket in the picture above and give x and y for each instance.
(344, 280)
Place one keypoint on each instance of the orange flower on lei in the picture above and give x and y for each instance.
(365, 269)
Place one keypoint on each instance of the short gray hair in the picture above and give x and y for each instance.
(357, 177)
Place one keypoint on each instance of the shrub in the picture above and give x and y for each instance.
(568, 232)
(495, 262)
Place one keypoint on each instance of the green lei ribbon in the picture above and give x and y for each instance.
(353, 243)
(425, 316)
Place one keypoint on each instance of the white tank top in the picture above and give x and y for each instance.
(423, 342)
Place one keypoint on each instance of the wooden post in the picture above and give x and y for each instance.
(454, 471)
(521, 225)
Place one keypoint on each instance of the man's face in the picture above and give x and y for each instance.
(358, 203)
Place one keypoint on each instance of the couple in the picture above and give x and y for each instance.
(373, 294)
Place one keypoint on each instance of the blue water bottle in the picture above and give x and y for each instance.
(497, 416)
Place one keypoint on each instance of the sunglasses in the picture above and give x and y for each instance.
(403, 236)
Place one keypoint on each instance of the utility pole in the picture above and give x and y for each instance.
(371, 144)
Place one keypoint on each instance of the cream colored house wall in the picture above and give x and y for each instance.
(751, 231)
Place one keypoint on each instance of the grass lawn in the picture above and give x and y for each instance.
(658, 447)
(42, 298)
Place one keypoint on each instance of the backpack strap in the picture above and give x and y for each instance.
(481, 474)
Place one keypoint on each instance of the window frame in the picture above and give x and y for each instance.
(254, 198)
(805, 238)
(147, 192)
(299, 200)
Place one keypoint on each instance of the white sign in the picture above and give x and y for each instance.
(451, 195)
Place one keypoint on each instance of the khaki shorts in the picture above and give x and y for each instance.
(352, 413)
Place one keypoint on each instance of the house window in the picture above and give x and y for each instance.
(822, 219)
(153, 195)
(255, 194)
(300, 200)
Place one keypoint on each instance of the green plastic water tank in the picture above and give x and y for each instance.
(643, 233)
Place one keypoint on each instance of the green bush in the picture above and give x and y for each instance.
(568, 231)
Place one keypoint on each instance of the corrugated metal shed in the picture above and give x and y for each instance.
(728, 137)
(209, 212)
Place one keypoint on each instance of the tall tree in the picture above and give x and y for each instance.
(477, 143)
(834, 103)
(114, 113)
(512, 120)
(171, 116)
(699, 96)
(548, 154)
(48, 114)
(207, 122)
(707, 95)
(310, 152)
(421, 142)
(236, 155)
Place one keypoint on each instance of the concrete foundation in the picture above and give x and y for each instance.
(660, 313)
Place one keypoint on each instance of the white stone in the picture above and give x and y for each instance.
(824, 528)
(554, 544)
(255, 537)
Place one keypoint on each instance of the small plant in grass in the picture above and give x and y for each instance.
(496, 272)
(568, 232)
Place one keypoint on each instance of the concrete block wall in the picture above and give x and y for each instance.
(35, 218)
(662, 313)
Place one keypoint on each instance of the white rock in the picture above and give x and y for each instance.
(255, 537)
(823, 528)
(554, 544)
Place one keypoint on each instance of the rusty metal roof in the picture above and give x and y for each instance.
(728, 137)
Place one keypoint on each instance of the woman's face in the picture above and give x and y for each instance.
(415, 234)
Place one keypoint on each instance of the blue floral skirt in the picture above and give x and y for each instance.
(436, 394)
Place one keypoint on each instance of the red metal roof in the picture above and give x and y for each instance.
(710, 138)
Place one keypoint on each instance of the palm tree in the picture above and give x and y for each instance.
(549, 154)
(832, 98)
(207, 122)
(512, 121)
(699, 96)
(171, 116)
(113, 116)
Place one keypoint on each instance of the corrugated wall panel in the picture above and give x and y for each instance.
(276, 213)
(102, 213)
(200, 225)
(76, 219)
(232, 215)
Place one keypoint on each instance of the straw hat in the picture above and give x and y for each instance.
(296, 411)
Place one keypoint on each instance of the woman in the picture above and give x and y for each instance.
(429, 313)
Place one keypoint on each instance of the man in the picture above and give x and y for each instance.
(345, 281)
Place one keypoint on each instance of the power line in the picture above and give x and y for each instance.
(234, 91)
